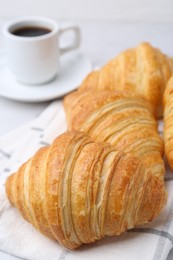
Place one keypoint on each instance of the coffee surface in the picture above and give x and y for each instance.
(31, 31)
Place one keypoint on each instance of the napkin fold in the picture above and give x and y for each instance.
(19, 238)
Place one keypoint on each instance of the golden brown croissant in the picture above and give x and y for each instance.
(144, 70)
(77, 191)
(127, 123)
(168, 121)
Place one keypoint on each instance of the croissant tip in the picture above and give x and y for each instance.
(8, 187)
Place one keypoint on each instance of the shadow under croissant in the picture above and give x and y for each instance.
(127, 237)
(105, 241)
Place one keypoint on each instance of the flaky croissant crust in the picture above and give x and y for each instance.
(77, 191)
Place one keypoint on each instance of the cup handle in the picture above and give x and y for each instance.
(76, 42)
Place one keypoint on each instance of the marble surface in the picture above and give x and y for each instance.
(100, 42)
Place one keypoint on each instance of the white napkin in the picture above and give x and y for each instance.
(19, 238)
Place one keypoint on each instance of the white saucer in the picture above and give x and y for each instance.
(74, 68)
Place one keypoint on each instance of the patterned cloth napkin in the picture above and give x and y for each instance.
(19, 238)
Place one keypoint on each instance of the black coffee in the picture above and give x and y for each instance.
(31, 31)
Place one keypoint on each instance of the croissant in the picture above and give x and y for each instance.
(77, 191)
(144, 70)
(127, 123)
(168, 122)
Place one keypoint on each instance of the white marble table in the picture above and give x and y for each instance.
(100, 42)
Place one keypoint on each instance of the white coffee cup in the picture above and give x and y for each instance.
(35, 60)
